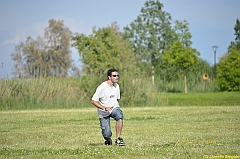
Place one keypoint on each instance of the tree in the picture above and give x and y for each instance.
(183, 33)
(43, 57)
(103, 49)
(180, 53)
(58, 48)
(28, 58)
(151, 33)
(236, 43)
(228, 77)
(228, 69)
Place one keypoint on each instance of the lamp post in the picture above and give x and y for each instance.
(215, 50)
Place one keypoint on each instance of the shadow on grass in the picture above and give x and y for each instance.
(96, 144)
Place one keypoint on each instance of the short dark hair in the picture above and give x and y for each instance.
(109, 72)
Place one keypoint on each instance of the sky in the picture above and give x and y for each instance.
(211, 22)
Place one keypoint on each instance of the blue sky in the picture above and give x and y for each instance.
(211, 22)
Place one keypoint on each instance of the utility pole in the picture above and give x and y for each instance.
(215, 51)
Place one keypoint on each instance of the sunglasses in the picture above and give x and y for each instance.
(115, 75)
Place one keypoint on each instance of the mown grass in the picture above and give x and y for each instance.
(204, 99)
(149, 132)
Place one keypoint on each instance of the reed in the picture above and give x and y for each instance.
(53, 93)
(41, 93)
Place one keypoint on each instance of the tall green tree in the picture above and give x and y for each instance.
(151, 33)
(228, 71)
(181, 54)
(236, 43)
(47, 56)
(104, 49)
(183, 33)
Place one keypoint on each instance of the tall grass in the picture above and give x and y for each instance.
(195, 84)
(52, 93)
(41, 93)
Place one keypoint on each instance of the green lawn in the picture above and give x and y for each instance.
(149, 132)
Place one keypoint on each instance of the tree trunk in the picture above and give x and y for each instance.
(152, 74)
(185, 80)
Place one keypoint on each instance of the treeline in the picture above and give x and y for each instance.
(153, 54)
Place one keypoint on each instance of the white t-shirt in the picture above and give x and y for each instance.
(107, 96)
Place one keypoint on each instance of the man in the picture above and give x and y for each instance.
(106, 100)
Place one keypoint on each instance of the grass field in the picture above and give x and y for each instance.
(149, 132)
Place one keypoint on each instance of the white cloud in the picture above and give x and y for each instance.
(14, 41)
(37, 29)
(16, 36)
(22, 33)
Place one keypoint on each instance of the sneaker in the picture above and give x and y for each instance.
(108, 142)
(120, 142)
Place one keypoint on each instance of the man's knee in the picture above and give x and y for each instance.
(119, 120)
(117, 114)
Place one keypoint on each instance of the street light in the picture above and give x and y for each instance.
(215, 50)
